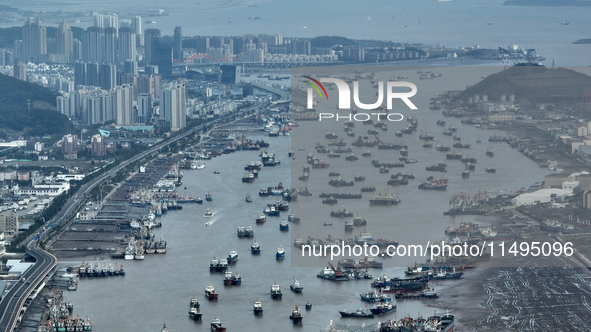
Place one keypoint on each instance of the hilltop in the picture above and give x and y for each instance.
(42, 119)
(533, 85)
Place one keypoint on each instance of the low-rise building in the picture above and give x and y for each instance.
(9, 224)
(542, 196)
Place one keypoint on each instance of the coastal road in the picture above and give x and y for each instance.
(12, 302)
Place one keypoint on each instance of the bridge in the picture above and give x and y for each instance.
(14, 303)
(284, 97)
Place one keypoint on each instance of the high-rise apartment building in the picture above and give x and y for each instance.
(34, 42)
(64, 40)
(144, 108)
(127, 45)
(149, 35)
(98, 145)
(177, 52)
(173, 105)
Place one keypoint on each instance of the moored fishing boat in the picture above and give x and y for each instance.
(280, 253)
(232, 257)
(283, 226)
(276, 291)
(295, 286)
(210, 293)
(383, 308)
(296, 315)
(261, 219)
(216, 326)
(228, 278)
(356, 314)
(255, 248)
(257, 307)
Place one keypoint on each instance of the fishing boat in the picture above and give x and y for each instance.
(280, 253)
(210, 293)
(208, 213)
(248, 178)
(491, 169)
(295, 286)
(309, 305)
(139, 254)
(360, 313)
(248, 198)
(216, 326)
(372, 296)
(283, 226)
(424, 294)
(232, 257)
(257, 307)
(296, 315)
(261, 219)
(255, 248)
(293, 218)
(194, 313)
(275, 291)
(208, 197)
(228, 278)
(383, 308)
(194, 303)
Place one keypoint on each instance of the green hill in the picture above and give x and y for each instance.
(533, 85)
(42, 119)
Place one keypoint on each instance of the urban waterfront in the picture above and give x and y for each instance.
(157, 290)
(449, 23)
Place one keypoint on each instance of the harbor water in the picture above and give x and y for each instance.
(157, 290)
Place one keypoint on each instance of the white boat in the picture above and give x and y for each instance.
(68, 275)
(130, 250)
(257, 307)
(295, 286)
(139, 254)
(208, 213)
(280, 253)
(200, 165)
